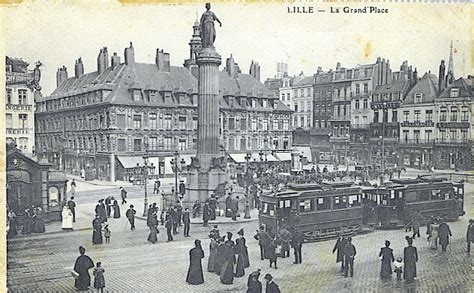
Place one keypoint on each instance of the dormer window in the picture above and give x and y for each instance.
(136, 95)
(231, 101)
(264, 103)
(243, 102)
(254, 103)
(418, 97)
(152, 96)
(454, 93)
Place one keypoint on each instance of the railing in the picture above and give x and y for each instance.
(418, 141)
(360, 126)
(417, 123)
(452, 141)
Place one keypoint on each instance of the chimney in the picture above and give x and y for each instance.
(338, 66)
(79, 68)
(129, 55)
(415, 76)
(442, 69)
(162, 60)
(255, 70)
(320, 69)
(115, 60)
(230, 66)
(61, 75)
(102, 60)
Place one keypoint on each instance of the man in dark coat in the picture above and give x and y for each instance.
(470, 235)
(179, 214)
(297, 244)
(205, 214)
(130, 214)
(187, 222)
(72, 206)
(103, 210)
(349, 255)
(108, 205)
(212, 208)
(182, 188)
(100, 211)
(263, 241)
(169, 227)
(175, 217)
(81, 267)
(339, 247)
(156, 187)
(444, 234)
(123, 194)
(271, 287)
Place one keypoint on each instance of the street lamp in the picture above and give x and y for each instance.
(175, 168)
(145, 175)
(384, 110)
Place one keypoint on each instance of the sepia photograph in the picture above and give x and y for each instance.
(297, 146)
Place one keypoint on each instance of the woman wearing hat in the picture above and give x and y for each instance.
(245, 252)
(272, 287)
(195, 275)
(227, 270)
(410, 257)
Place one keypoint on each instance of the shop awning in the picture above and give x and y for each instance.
(130, 162)
(306, 151)
(283, 156)
(238, 158)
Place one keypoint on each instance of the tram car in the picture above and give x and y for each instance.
(322, 211)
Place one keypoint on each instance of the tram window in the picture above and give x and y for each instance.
(410, 196)
(392, 194)
(265, 208)
(323, 204)
(436, 194)
(354, 200)
(339, 202)
(285, 203)
(306, 205)
(424, 195)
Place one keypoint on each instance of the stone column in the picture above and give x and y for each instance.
(208, 107)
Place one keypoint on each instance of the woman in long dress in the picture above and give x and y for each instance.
(67, 219)
(97, 233)
(82, 266)
(38, 222)
(195, 275)
(212, 255)
(220, 251)
(28, 222)
(245, 252)
(239, 250)
(116, 210)
(386, 253)
(410, 258)
(153, 236)
(12, 224)
(434, 235)
(227, 269)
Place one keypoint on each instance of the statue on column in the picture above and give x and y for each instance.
(208, 31)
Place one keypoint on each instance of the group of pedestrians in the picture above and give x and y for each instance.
(81, 272)
(103, 211)
(33, 221)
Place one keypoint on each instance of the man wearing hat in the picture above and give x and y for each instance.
(130, 214)
(272, 287)
(253, 284)
(349, 255)
(214, 233)
(255, 274)
(470, 235)
(263, 241)
(123, 194)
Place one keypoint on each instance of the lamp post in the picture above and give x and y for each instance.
(145, 179)
(384, 108)
(247, 184)
(175, 167)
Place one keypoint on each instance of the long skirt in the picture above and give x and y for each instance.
(410, 270)
(195, 275)
(239, 268)
(38, 226)
(386, 269)
(227, 273)
(97, 237)
(211, 264)
(434, 242)
(245, 254)
(153, 238)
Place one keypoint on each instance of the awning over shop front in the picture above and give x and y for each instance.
(130, 162)
(283, 156)
(238, 158)
(306, 151)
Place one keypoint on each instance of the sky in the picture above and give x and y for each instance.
(57, 34)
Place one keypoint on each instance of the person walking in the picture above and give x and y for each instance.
(130, 214)
(73, 187)
(186, 222)
(386, 255)
(81, 270)
(156, 186)
(205, 214)
(297, 244)
(153, 236)
(103, 211)
(398, 264)
(97, 230)
(227, 270)
(12, 224)
(349, 255)
(444, 234)
(107, 234)
(195, 275)
(433, 237)
(271, 253)
(67, 219)
(245, 252)
(285, 239)
(416, 224)
(116, 209)
(108, 205)
(38, 222)
(99, 280)
(263, 241)
(469, 235)
(339, 247)
(72, 206)
(271, 287)
(169, 227)
(212, 255)
(410, 258)
(239, 250)
(254, 285)
(100, 211)
(123, 194)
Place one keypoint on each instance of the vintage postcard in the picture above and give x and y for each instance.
(300, 146)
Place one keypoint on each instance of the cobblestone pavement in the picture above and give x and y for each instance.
(43, 263)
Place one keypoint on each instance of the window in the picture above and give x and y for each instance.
(394, 116)
(302, 121)
(417, 115)
(254, 103)
(286, 124)
(454, 114)
(296, 107)
(153, 121)
(428, 135)
(442, 134)
(406, 115)
(442, 114)
(182, 144)
(167, 119)
(357, 89)
(429, 115)
(405, 136)
(121, 144)
(264, 124)
(23, 120)
(231, 123)
(23, 143)
(339, 202)
(137, 144)
(22, 97)
(366, 87)
(454, 93)
(152, 96)
(153, 143)
(9, 96)
(453, 135)
(376, 116)
(182, 122)
(322, 203)
(137, 95)
(275, 124)
(121, 121)
(366, 103)
(195, 123)
(264, 103)
(357, 104)
(417, 98)
(254, 123)
(137, 121)
(168, 143)
(465, 114)
(9, 121)
(416, 134)
(464, 135)
(306, 205)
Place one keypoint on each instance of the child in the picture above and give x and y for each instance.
(107, 233)
(398, 268)
(99, 281)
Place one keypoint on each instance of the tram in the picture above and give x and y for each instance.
(325, 210)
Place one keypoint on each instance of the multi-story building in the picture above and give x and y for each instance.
(303, 102)
(103, 122)
(22, 89)
(417, 118)
(285, 91)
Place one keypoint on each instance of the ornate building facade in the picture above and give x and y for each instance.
(102, 123)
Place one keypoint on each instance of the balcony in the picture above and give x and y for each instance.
(360, 126)
(378, 105)
(453, 125)
(386, 139)
(19, 130)
(417, 124)
(340, 118)
(417, 141)
(459, 141)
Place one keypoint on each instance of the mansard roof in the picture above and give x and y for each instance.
(465, 87)
(427, 86)
(308, 80)
(396, 86)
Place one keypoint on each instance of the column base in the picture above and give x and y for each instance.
(201, 185)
